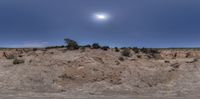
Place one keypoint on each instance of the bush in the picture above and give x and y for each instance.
(96, 46)
(116, 49)
(62, 46)
(166, 61)
(126, 52)
(152, 53)
(18, 61)
(121, 58)
(87, 46)
(52, 47)
(105, 48)
(35, 49)
(71, 44)
(136, 50)
(149, 51)
(139, 56)
(124, 48)
(144, 50)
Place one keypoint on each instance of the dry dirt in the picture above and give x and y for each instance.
(93, 72)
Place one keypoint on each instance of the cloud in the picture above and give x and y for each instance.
(29, 45)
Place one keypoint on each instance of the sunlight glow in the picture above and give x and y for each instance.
(101, 16)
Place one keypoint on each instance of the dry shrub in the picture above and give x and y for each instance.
(18, 61)
(126, 52)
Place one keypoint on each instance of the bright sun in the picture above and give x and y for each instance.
(101, 16)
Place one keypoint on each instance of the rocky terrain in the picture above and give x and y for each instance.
(170, 72)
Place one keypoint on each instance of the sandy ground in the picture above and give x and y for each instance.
(99, 74)
(97, 97)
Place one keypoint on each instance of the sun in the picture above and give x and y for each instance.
(101, 16)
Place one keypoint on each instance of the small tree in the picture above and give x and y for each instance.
(96, 46)
(71, 44)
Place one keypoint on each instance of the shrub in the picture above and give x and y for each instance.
(96, 46)
(149, 51)
(143, 50)
(136, 50)
(62, 46)
(139, 56)
(126, 52)
(105, 48)
(152, 51)
(35, 49)
(116, 49)
(18, 61)
(124, 48)
(51, 47)
(166, 61)
(20, 55)
(121, 58)
(87, 46)
(71, 44)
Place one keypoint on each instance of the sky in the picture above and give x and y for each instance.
(141, 23)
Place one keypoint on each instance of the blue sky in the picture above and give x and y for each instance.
(142, 23)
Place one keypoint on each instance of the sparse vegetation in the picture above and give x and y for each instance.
(71, 44)
(105, 48)
(117, 49)
(65, 76)
(126, 52)
(87, 46)
(136, 50)
(20, 55)
(18, 61)
(144, 50)
(93, 66)
(166, 61)
(121, 58)
(51, 47)
(35, 49)
(139, 56)
(149, 51)
(96, 46)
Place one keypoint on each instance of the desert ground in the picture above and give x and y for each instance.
(58, 73)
